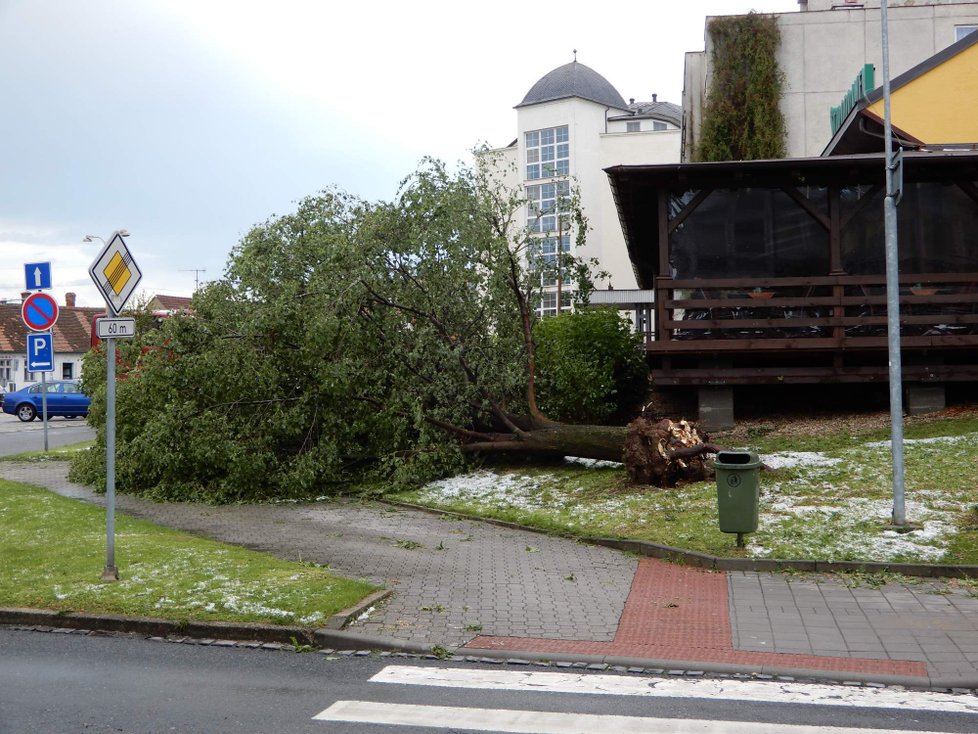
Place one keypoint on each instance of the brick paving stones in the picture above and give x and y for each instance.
(680, 613)
(923, 620)
(452, 579)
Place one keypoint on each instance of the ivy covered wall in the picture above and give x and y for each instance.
(742, 119)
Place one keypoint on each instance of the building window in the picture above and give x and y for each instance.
(633, 127)
(543, 259)
(7, 370)
(548, 303)
(547, 153)
(657, 125)
(960, 31)
(68, 371)
(545, 204)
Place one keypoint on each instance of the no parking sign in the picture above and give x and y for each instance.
(39, 311)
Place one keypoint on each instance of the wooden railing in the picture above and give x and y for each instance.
(829, 312)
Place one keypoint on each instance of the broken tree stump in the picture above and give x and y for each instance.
(663, 453)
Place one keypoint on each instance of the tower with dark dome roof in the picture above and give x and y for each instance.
(572, 124)
(574, 80)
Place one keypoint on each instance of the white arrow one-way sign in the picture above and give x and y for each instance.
(37, 276)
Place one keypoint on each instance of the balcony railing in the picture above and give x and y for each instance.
(823, 313)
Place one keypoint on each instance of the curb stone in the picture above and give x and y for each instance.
(341, 619)
(349, 645)
(697, 559)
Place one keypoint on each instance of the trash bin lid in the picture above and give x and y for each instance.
(737, 458)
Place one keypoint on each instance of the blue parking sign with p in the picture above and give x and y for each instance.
(40, 353)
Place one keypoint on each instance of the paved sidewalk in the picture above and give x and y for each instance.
(464, 574)
(460, 583)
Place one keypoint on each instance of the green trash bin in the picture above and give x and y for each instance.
(738, 488)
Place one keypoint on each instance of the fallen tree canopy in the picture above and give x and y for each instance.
(349, 342)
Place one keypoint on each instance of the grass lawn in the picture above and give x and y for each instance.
(52, 551)
(828, 495)
(61, 453)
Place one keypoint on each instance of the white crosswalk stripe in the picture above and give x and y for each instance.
(505, 721)
(513, 721)
(621, 685)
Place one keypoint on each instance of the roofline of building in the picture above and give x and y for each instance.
(635, 188)
(674, 120)
(569, 96)
(915, 72)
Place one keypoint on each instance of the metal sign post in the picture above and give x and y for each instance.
(110, 572)
(40, 312)
(116, 275)
(40, 358)
(44, 408)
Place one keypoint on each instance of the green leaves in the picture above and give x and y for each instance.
(742, 118)
(590, 368)
(348, 342)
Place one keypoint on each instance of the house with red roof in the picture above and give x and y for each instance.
(72, 338)
(171, 304)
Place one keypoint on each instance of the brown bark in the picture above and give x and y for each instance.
(557, 439)
(691, 451)
(659, 453)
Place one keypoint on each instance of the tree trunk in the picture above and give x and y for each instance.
(605, 443)
(659, 453)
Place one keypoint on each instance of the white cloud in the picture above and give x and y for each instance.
(188, 121)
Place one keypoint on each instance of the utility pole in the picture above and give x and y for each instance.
(894, 179)
(196, 272)
(560, 251)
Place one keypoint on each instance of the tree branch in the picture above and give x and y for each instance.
(446, 338)
(691, 451)
(527, 324)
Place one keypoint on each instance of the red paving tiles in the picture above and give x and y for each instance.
(679, 613)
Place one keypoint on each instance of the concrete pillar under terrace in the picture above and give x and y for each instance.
(927, 398)
(716, 408)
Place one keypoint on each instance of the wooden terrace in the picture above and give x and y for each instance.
(772, 272)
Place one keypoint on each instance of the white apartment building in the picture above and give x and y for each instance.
(571, 125)
(824, 45)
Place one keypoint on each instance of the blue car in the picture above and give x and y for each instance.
(64, 397)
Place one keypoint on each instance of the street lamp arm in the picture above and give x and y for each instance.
(90, 237)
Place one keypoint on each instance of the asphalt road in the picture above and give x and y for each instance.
(56, 682)
(17, 437)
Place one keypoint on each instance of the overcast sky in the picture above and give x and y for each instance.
(188, 121)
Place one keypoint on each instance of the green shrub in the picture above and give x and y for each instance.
(590, 367)
(742, 118)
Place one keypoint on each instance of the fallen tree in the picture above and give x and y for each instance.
(349, 342)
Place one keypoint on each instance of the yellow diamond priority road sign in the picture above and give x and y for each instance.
(115, 273)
